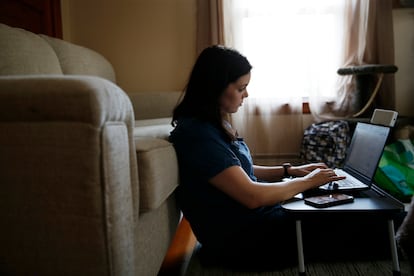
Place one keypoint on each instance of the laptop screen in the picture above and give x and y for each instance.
(365, 150)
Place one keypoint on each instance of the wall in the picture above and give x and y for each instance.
(150, 43)
(404, 59)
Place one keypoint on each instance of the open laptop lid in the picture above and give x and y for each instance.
(365, 150)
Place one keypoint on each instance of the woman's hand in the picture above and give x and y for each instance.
(319, 177)
(305, 169)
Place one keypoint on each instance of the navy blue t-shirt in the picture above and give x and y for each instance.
(203, 151)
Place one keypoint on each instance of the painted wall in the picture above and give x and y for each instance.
(404, 59)
(150, 43)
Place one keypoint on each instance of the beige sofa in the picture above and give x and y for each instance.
(80, 195)
(153, 112)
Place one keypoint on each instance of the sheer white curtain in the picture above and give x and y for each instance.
(295, 48)
(368, 39)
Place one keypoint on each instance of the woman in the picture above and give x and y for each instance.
(233, 206)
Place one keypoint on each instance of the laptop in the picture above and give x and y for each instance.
(363, 156)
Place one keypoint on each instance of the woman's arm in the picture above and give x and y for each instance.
(275, 173)
(237, 184)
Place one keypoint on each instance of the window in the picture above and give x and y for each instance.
(295, 47)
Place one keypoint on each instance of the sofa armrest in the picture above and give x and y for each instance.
(55, 98)
(70, 192)
(63, 98)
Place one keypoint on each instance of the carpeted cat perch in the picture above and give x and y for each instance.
(365, 75)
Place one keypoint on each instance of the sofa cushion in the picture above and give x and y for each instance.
(78, 60)
(158, 128)
(157, 171)
(25, 53)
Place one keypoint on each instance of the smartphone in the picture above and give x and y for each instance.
(384, 117)
(323, 201)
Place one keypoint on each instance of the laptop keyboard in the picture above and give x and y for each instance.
(349, 181)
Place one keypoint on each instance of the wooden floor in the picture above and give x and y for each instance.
(180, 251)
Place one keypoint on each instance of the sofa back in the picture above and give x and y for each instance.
(154, 105)
(26, 53)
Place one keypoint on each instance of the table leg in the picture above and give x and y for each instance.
(299, 242)
(395, 262)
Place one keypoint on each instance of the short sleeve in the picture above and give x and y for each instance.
(203, 150)
(210, 157)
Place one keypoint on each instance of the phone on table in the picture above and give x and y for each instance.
(322, 201)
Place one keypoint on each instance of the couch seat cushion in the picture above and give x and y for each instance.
(158, 128)
(157, 171)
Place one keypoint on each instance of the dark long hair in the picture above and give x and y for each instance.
(216, 67)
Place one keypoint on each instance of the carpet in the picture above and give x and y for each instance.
(362, 268)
